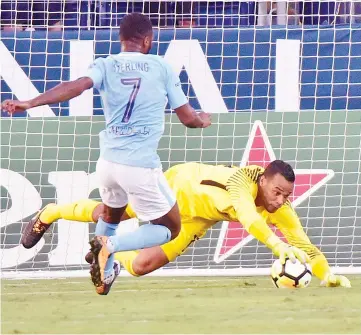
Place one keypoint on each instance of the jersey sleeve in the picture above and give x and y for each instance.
(287, 221)
(239, 186)
(176, 96)
(96, 72)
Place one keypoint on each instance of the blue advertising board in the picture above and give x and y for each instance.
(242, 62)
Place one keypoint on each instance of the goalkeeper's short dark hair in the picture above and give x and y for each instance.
(135, 26)
(281, 167)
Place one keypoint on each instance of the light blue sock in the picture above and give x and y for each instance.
(106, 229)
(146, 236)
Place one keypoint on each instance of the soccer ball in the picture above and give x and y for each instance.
(290, 275)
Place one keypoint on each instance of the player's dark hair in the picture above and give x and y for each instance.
(135, 26)
(282, 168)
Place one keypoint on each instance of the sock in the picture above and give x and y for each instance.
(146, 236)
(81, 210)
(106, 229)
(126, 258)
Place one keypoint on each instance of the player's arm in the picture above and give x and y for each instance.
(179, 102)
(62, 92)
(191, 119)
(239, 188)
(287, 221)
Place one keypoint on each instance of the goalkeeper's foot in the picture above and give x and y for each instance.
(100, 256)
(34, 230)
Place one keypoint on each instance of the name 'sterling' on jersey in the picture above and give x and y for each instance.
(131, 66)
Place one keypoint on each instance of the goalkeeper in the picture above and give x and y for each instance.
(207, 194)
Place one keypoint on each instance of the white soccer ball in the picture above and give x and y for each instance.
(291, 275)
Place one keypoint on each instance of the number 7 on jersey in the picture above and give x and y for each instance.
(130, 105)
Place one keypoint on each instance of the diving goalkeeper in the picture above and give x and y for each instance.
(207, 194)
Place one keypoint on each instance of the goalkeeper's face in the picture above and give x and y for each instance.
(275, 191)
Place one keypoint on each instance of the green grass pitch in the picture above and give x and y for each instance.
(207, 305)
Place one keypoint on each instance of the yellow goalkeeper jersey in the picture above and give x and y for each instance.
(220, 192)
(217, 193)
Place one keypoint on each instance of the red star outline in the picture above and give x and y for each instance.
(259, 151)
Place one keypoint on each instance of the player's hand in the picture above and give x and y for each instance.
(206, 118)
(336, 281)
(14, 106)
(284, 251)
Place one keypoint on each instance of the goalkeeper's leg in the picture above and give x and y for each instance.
(139, 262)
(142, 262)
(83, 210)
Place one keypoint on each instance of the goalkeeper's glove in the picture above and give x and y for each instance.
(332, 280)
(284, 251)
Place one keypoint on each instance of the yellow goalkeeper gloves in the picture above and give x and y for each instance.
(284, 251)
(332, 280)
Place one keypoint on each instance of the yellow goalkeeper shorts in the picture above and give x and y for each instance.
(191, 230)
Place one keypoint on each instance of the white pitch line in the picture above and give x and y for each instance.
(92, 291)
(57, 282)
(86, 320)
(247, 288)
(114, 290)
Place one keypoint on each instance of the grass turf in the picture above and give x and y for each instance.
(178, 306)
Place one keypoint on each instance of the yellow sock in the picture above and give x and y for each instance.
(81, 210)
(126, 258)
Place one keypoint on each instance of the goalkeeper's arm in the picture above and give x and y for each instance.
(287, 221)
(239, 189)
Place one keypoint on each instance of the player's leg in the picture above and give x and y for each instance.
(158, 205)
(82, 210)
(115, 200)
(116, 272)
(150, 201)
(177, 180)
(171, 220)
(139, 262)
(151, 198)
(102, 269)
(143, 190)
(142, 262)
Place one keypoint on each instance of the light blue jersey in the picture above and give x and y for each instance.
(134, 88)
